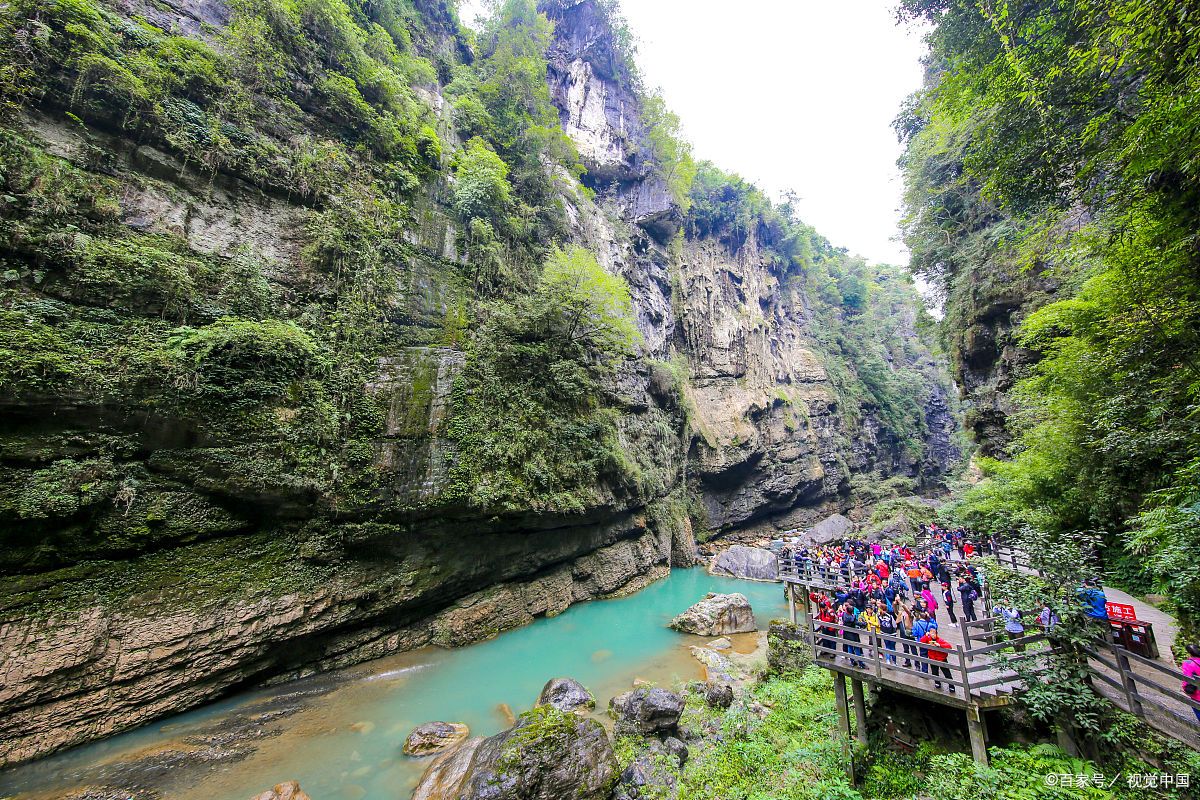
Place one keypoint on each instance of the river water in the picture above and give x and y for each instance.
(340, 735)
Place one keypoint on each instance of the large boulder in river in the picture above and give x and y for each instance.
(566, 694)
(831, 529)
(434, 737)
(740, 561)
(645, 712)
(717, 615)
(548, 755)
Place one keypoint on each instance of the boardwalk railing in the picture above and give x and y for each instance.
(990, 665)
(1141, 693)
(988, 630)
(1016, 558)
(890, 658)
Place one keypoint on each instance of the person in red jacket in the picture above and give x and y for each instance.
(932, 638)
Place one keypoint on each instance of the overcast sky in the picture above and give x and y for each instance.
(791, 94)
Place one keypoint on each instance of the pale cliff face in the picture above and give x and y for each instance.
(768, 435)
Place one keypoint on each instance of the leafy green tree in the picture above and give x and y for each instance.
(532, 426)
(582, 304)
(670, 152)
(481, 188)
(1054, 158)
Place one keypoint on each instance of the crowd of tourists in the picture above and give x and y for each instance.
(889, 595)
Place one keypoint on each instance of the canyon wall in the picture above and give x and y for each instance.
(171, 533)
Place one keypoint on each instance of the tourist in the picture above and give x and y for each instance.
(921, 628)
(914, 578)
(849, 621)
(968, 551)
(927, 577)
(907, 621)
(870, 619)
(968, 594)
(1191, 676)
(930, 602)
(1095, 604)
(828, 645)
(1013, 627)
(1047, 618)
(887, 627)
(948, 599)
(938, 657)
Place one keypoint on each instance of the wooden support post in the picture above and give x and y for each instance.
(860, 709)
(966, 676)
(977, 729)
(1127, 680)
(791, 598)
(839, 697)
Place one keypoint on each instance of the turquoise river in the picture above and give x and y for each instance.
(344, 741)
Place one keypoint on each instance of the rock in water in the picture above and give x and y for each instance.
(740, 561)
(717, 615)
(444, 777)
(645, 712)
(548, 755)
(716, 666)
(284, 791)
(434, 737)
(566, 694)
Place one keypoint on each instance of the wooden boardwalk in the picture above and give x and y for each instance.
(1148, 688)
(973, 678)
(984, 668)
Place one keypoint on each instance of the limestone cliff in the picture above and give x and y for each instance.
(238, 343)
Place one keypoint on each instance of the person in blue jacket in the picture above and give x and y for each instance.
(921, 627)
(1093, 599)
(1094, 604)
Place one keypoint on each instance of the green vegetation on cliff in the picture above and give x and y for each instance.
(1052, 166)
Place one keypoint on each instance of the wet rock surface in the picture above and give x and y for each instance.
(289, 790)
(548, 755)
(717, 615)
(434, 737)
(566, 694)
(831, 529)
(718, 667)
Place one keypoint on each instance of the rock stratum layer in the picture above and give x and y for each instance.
(234, 424)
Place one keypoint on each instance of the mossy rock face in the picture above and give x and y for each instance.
(547, 755)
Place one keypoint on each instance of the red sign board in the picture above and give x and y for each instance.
(1121, 611)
